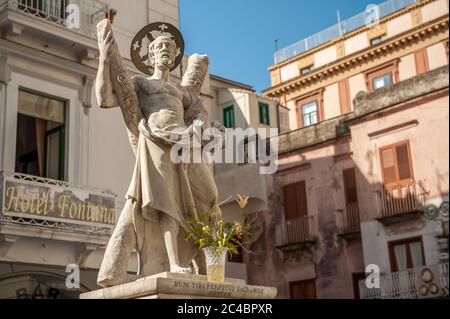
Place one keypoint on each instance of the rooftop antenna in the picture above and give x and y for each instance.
(276, 49)
(339, 23)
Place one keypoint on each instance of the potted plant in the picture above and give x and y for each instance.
(217, 238)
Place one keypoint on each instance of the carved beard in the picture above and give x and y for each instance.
(166, 61)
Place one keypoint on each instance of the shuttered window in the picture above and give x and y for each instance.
(421, 58)
(228, 117)
(350, 186)
(344, 96)
(295, 203)
(396, 163)
(305, 289)
(264, 116)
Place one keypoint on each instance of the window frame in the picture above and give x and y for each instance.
(305, 99)
(230, 109)
(316, 104)
(379, 38)
(391, 244)
(397, 182)
(262, 105)
(390, 67)
(61, 130)
(307, 69)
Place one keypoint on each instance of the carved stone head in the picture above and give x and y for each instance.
(162, 52)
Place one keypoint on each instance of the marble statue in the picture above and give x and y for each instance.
(161, 193)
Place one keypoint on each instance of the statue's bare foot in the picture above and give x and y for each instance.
(179, 269)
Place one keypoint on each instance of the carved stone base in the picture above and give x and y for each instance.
(168, 285)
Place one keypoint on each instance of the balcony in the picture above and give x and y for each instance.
(401, 202)
(347, 222)
(66, 23)
(295, 233)
(337, 30)
(421, 282)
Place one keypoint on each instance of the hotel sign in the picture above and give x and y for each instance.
(59, 203)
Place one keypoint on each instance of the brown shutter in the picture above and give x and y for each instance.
(344, 96)
(396, 164)
(302, 289)
(290, 206)
(421, 58)
(388, 165)
(350, 186)
(295, 204)
(302, 207)
(403, 162)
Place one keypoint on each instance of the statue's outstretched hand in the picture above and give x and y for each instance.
(105, 43)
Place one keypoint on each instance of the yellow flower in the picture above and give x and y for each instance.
(239, 230)
(242, 201)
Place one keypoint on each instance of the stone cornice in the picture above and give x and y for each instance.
(350, 61)
(431, 85)
(349, 35)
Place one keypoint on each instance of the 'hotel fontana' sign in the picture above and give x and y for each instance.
(30, 199)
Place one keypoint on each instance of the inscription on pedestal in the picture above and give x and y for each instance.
(217, 289)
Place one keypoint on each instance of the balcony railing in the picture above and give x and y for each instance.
(406, 285)
(349, 25)
(401, 199)
(347, 220)
(295, 231)
(58, 12)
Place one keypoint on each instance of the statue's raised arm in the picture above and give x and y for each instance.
(113, 86)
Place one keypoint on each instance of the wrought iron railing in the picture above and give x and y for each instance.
(347, 220)
(78, 15)
(349, 25)
(403, 285)
(295, 231)
(401, 199)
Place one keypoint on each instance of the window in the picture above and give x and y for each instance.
(421, 58)
(264, 116)
(307, 69)
(396, 164)
(295, 203)
(382, 81)
(309, 108)
(309, 113)
(305, 289)
(351, 196)
(228, 117)
(40, 136)
(406, 253)
(344, 96)
(377, 40)
(382, 76)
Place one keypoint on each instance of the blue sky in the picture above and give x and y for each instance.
(239, 35)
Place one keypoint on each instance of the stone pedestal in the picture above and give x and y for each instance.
(168, 285)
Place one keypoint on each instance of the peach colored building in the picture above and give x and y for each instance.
(362, 183)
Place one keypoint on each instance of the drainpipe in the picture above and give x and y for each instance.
(278, 117)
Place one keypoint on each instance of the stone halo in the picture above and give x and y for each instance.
(142, 39)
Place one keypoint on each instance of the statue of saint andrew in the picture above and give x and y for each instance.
(161, 193)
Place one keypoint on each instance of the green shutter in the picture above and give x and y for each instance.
(264, 116)
(228, 116)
